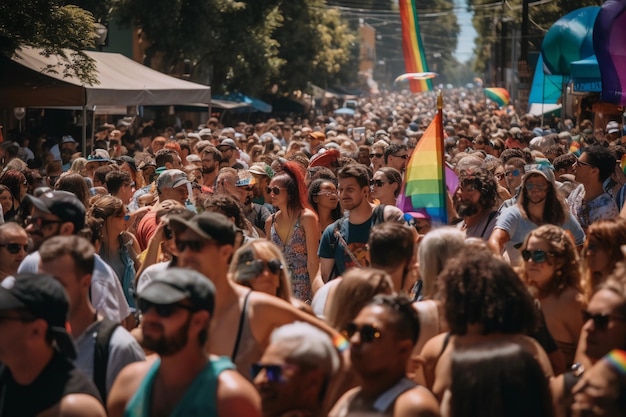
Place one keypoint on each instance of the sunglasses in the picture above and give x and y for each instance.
(537, 256)
(514, 173)
(582, 163)
(16, 318)
(376, 155)
(273, 190)
(401, 156)
(40, 222)
(378, 183)
(193, 245)
(538, 187)
(600, 321)
(256, 267)
(162, 310)
(367, 332)
(273, 373)
(14, 248)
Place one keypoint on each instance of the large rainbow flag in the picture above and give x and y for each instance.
(425, 181)
(414, 57)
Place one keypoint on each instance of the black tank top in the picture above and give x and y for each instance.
(58, 379)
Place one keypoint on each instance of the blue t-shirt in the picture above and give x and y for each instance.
(355, 235)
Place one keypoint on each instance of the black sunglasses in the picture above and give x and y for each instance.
(379, 183)
(193, 245)
(367, 332)
(274, 373)
(376, 155)
(537, 256)
(14, 248)
(600, 321)
(162, 310)
(275, 190)
(40, 222)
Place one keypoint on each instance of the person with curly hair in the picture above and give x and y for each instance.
(551, 270)
(17, 185)
(294, 228)
(484, 300)
(475, 202)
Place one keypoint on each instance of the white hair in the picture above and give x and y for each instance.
(307, 345)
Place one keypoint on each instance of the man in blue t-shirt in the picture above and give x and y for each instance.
(344, 243)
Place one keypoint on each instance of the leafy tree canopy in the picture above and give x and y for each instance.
(63, 30)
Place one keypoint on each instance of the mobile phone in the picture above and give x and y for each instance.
(358, 133)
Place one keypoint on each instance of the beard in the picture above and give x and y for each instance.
(208, 170)
(466, 209)
(168, 346)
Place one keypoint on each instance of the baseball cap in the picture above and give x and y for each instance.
(261, 168)
(173, 285)
(612, 127)
(171, 178)
(539, 169)
(68, 139)
(204, 132)
(63, 204)
(228, 142)
(193, 158)
(317, 135)
(99, 155)
(212, 226)
(245, 182)
(43, 297)
(130, 161)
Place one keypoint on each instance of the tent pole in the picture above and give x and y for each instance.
(84, 142)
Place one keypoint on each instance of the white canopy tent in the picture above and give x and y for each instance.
(30, 79)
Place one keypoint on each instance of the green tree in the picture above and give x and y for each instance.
(62, 30)
(242, 45)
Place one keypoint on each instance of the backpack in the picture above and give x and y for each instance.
(101, 355)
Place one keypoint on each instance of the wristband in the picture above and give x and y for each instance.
(617, 359)
(341, 343)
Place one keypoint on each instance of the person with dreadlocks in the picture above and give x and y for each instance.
(475, 202)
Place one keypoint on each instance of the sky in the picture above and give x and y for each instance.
(467, 36)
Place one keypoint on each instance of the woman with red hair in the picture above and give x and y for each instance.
(294, 228)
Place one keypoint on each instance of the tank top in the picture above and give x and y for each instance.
(200, 399)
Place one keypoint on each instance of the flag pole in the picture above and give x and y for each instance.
(442, 162)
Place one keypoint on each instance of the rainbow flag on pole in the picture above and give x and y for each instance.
(425, 181)
(414, 57)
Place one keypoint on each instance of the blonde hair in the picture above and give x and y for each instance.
(434, 251)
(357, 287)
(264, 250)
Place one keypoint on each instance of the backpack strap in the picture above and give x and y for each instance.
(103, 335)
(378, 214)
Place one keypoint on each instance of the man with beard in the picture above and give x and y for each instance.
(177, 308)
(344, 243)
(475, 201)
(211, 158)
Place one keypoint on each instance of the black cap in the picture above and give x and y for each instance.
(130, 161)
(173, 285)
(63, 204)
(213, 226)
(44, 297)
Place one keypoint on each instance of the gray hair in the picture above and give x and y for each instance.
(307, 345)
(437, 247)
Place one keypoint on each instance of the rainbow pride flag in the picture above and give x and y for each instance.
(425, 180)
(414, 57)
(498, 95)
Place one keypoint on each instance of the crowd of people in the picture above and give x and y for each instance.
(266, 269)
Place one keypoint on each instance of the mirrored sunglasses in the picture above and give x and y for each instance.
(367, 332)
(537, 256)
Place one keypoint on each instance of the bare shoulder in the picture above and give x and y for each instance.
(343, 402)
(126, 384)
(393, 214)
(416, 402)
(308, 215)
(237, 396)
(432, 348)
(80, 405)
